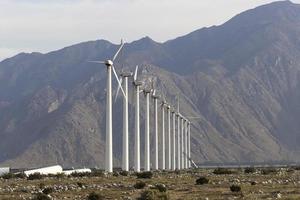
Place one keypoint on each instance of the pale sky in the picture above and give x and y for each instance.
(47, 25)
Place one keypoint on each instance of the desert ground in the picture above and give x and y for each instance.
(220, 183)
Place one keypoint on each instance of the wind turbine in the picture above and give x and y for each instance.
(163, 150)
(168, 159)
(173, 140)
(125, 153)
(189, 144)
(178, 153)
(186, 143)
(147, 130)
(155, 98)
(108, 147)
(182, 146)
(137, 85)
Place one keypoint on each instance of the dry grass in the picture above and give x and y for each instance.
(180, 186)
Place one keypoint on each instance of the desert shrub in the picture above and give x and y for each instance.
(41, 196)
(42, 186)
(297, 168)
(81, 174)
(144, 175)
(235, 188)
(124, 173)
(116, 174)
(161, 187)
(48, 190)
(223, 171)
(153, 195)
(20, 175)
(267, 171)
(202, 181)
(8, 176)
(249, 170)
(80, 184)
(58, 175)
(253, 183)
(139, 185)
(95, 196)
(35, 176)
(97, 173)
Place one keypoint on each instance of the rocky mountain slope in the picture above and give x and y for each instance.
(240, 78)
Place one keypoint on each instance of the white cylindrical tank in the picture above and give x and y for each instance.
(45, 170)
(69, 172)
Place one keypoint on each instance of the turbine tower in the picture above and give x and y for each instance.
(173, 140)
(125, 153)
(147, 130)
(181, 141)
(163, 150)
(186, 143)
(137, 85)
(189, 144)
(155, 98)
(108, 147)
(168, 152)
(178, 153)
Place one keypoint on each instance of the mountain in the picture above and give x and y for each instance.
(241, 79)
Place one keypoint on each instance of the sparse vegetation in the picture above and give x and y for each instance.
(144, 175)
(8, 176)
(161, 187)
(95, 196)
(153, 195)
(235, 188)
(139, 185)
(48, 190)
(124, 173)
(221, 171)
(270, 170)
(202, 180)
(35, 176)
(41, 196)
(250, 170)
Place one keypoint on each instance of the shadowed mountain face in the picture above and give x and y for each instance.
(241, 79)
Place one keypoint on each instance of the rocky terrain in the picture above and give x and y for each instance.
(202, 184)
(240, 78)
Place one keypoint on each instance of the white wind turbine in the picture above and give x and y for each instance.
(147, 129)
(125, 153)
(173, 139)
(163, 150)
(155, 99)
(178, 152)
(137, 85)
(168, 159)
(108, 147)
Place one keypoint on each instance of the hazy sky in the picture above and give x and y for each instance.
(46, 25)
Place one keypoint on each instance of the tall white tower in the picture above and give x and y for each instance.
(155, 98)
(178, 150)
(182, 144)
(163, 150)
(168, 152)
(125, 153)
(137, 85)
(173, 140)
(147, 131)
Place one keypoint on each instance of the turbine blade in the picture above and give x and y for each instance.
(135, 73)
(101, 62)
(117, 53)
(117, 78)
(121, 80)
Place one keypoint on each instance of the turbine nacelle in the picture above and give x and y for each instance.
(109, 63)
